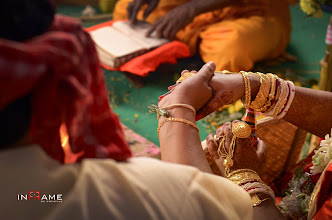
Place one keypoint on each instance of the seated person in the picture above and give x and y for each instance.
(50, 76)
(233, 33)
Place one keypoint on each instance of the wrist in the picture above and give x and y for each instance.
(255, 85)
(179, 112)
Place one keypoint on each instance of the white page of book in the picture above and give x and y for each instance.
(115, 42)
(138, 31)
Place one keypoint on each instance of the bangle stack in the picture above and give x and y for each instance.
(274, 97)
(250, 181)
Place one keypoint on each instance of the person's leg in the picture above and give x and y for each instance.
(237, 44)
(120, 10)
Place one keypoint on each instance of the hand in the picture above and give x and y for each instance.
(193, 91)
(136, 5)
(173, 21)
(246, 156)
(227, 88)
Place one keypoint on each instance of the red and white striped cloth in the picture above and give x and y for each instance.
(62, 71)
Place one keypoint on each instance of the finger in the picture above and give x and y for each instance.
(168, 30)
(136, 8)
(207, 71)
(220, 131)
(159, 29)
(212, 146)
(261, 151)
(153, 28)
(193, 71)
(172, 34)
(149, 9)
(184, 71)
(227, 128)
(235, 121)
(130, 9)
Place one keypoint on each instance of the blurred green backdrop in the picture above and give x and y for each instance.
(130, 103)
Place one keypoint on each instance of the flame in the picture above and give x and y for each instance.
(70, 157)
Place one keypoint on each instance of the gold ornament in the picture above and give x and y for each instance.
(241, 130)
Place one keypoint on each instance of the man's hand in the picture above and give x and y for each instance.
(173, 21)
(136, 5)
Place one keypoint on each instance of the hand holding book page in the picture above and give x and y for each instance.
(122, 42)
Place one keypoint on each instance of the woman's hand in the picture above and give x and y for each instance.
(246, 156)
(180, 142)
(173, 21)
(228, 88)
(194, 91)
(136, 5)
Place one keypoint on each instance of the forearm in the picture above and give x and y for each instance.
(200, 6)
(311, 110)
(180, 142)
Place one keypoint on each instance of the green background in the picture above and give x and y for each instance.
(130, 103)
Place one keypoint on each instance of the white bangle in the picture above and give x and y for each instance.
(289, 101)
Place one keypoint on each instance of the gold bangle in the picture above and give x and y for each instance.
(262, 94)
(256, 201)
(163, 111)
(271, 95)
(180, 105)
(244, 181)
(273, 79)
(176, 120)
(247, 90)
(276, 97)
(244, 174)
(281, 100)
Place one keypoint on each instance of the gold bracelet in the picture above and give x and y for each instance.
(281, 100)
(239, 175)
(276, 97)
(270, 96)
(273, 79)
(263, 92)
(180, 105)
(176, 120)
(244, 181)
(247, 90)
(163, 111)
(256, 201)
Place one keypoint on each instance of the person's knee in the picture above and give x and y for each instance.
(120, 10)
(228, 54)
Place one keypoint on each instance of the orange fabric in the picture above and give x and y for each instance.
(234, 37)
(146, 63)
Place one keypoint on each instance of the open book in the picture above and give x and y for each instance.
(122, 42)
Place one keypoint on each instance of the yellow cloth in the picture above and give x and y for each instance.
(142, 188)
(234, 37)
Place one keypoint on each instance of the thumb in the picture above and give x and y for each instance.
(207, 71)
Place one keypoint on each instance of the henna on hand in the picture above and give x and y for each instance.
(216, 102)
